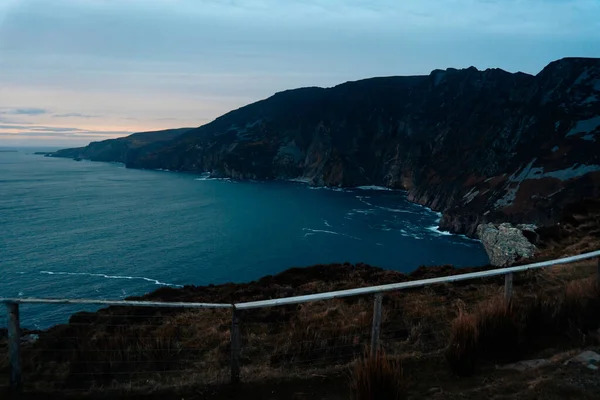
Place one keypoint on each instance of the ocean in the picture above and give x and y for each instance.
(99, 230)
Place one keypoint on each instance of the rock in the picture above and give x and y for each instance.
(525, 365)
(588, 358)
(30, 338)
(506, 244)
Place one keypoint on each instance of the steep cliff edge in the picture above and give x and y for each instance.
(480, 146)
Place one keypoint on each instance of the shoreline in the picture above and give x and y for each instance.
(206, 176)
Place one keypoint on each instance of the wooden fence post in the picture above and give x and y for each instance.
(376, 323)
(235, 347)
(14, 346)
(508, 287)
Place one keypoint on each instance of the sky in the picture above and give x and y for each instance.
(75, 71)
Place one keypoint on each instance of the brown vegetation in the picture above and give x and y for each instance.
(499, 331)
(128, 350)
(377, 377)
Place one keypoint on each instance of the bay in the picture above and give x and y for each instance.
(99, 230)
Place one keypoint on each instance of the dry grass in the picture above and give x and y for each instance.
(135, 349)
(377, 377)
(462, 350)
(498, 331)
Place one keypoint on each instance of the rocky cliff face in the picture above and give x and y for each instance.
(481, 146)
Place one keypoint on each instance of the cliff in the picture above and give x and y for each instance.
(480, 146)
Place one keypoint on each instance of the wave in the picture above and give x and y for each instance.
(314, 231)
(327, 223)
(435, 229)
(335, 189)
(362, 200)
(397, 210)
(155, 281)
(299, 180)
(215, 179)
(372, 187)
(361, 211)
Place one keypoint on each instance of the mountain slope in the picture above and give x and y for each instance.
(478, 145)
(120, 149)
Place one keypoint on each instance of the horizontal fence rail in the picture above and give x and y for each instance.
(411, 284)
(313, 297)
(127, 303)
(14, 329)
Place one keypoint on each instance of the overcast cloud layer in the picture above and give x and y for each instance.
(73, 71)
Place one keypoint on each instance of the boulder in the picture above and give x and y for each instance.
(506, 244)
(588, 358)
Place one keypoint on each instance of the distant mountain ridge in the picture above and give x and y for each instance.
(121, 149)
(480, 146)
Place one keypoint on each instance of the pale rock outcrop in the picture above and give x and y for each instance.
(506, 244)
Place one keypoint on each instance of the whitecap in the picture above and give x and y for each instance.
(362, 200)
(208, 178)
(155, 281)
(373, 187)
(299, 180)
(397, 210)
(329, 232)
(435, 229)
(335, 189)
(327, 223)
(362, 211)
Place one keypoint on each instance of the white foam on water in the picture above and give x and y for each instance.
(397, 210)
(435, 229)
(362, 200)
(361, 211)
(372, 187)
(208, 178)
(335, 189)
(162, 169)
(313, 231)
(155, 281)
(327, 223)
(299, 180)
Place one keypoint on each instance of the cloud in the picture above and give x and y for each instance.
(74, 115)
(25, 130)
(109, 58)
(101, 135)
(23, 111)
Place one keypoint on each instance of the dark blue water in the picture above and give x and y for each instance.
(99, 230)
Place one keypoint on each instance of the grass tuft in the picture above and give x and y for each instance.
(462, 350)
(377, 377)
